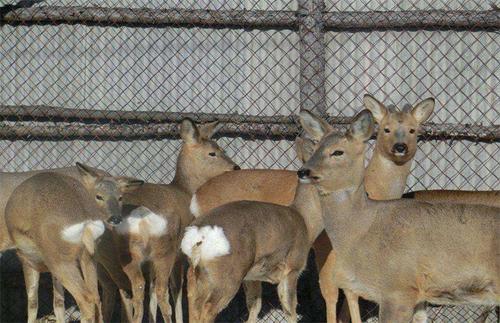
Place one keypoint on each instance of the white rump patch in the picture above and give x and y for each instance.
(73, 233)
(210, 242)
(155, 224)
(194, 207)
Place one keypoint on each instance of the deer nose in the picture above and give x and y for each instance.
(236, 167)
(114, 220)
(400, 148)
(303, 173)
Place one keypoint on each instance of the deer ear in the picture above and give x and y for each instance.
(128, 184)
(304, 148)
(378, 109)
(314, 126)
(362, 126)
(189, 131)
(423, 110)
(207, 130)
(88, 175)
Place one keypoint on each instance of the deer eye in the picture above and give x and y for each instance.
(412, 130)
(99, 197)
(120, 199)
(337, 153)
(386, 130)
(212, 154)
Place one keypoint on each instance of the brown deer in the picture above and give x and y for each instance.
(395, 147)
(54, 221)
(200, 159)
(151, 233)
(248, 242)
(10, 181)
(109, 271)
(399, 253)
(394, 152)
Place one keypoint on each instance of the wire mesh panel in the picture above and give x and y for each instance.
(107, 83)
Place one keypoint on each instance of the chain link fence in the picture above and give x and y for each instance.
(107, 82)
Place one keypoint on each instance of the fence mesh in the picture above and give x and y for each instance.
(241, 72)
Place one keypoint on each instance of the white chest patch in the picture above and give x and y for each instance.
(142, 217)
(73, 233)
(194, 207)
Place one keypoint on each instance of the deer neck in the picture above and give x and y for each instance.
(307, 203)
(345, 215)
(384, 179)
(186, 178)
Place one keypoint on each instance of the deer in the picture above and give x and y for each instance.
(393, 154)
(248, 242)
(54, 222)
(200, 158)
(110, 274)
(398, 253)
(10, 181)
(157, 216)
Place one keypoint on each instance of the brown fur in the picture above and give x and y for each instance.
(490, 198)
(442, 253)
(394, 127)
(278, 186)
(36, 214)
(264, 185)
(268, 242)
(194, 166)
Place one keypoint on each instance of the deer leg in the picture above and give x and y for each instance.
(31, 280)
(192, 293)
(396, 312)
(218, 299)
(134, 273)
(58, 300)
(287, 292)
(253, 295)
(352, 301)
(209, 294)
(108, 293)
(176, 282)
(89, 270)
(127, 310)
(71, 278)
(328, 288)
(325, 260)
(153, 299)
(162, 270)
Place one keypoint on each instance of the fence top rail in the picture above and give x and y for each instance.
(103, 125)
(249, 19)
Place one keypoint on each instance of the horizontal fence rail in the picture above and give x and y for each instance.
(79, 124)
(250, 19)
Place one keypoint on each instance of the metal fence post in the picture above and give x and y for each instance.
(312, 98)
(312, 55)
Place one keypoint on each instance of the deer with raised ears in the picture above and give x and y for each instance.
(248, 242)
(157, 214)
(399, 253)
(395, 147)
(385, 178)
(394, 152)
(54, 221)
